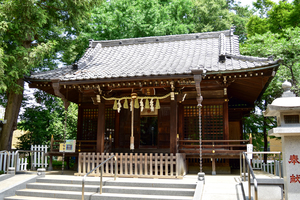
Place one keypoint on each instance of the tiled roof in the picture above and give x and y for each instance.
(156, 56)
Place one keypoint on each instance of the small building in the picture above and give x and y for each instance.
(144, 95)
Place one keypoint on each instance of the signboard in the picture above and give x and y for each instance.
(70, 146)
(249, 149)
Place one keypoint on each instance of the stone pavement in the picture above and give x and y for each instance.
(225, 187)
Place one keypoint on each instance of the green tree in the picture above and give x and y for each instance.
(274, 31)
(31, 33)
(284, 46)
(273, 17)
(119, 19)
(45, 119)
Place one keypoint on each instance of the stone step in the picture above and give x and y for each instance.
(31, 198)
(114, 189)
(265, 191)
(123, 182)
(57, 194)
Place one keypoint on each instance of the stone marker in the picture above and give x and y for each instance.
(287, 111)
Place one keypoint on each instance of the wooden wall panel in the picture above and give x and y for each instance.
(235, 129)
(164, 127)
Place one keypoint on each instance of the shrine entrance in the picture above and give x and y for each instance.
(149, 132)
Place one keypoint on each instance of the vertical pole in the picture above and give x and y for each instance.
(101, 179)
(200, 137)
(244, 164)
(241, 165)
(280, 165)
(64, 146)
(132, 125)
(115, 178)
(101, 127)
(173, 125)
(213, 166)
(249, 181)
(133, 99)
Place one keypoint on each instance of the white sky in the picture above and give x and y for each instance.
(249, 2)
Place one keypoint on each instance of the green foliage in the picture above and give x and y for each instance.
(118, 19)
(33, 36)
(284, 46)
(34, 31)
(274, 32)
(48, 118)
(216, 15)
(213, 15)
(273, 17)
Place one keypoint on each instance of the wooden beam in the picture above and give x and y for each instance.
(101, 127)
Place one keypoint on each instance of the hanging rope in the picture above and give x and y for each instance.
(139, 97)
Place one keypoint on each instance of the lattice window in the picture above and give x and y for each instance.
(212, 122)
(191, 121)
(89, 124)
(110, 115)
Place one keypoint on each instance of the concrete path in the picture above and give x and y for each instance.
(14, 180)
(225, 187)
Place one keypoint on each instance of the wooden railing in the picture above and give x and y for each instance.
(152, 165)
(191, 147)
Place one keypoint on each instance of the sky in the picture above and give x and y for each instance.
(249, 2)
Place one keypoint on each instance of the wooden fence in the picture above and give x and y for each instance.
(210, 148)
(152, 165)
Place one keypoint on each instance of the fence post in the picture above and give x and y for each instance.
(38, 156)
(46, 160)
(4, 162)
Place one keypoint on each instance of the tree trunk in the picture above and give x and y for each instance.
(11, 116)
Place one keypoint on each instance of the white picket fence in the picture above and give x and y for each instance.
(268, 167)
(5, 159)
(36, 157)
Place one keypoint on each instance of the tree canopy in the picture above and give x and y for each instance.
(31, 35)
(45, 119)
(274, 32)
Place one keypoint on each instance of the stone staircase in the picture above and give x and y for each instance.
(270, 187)
(69, 187)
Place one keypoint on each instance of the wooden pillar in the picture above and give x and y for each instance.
(226, 120)
(213, 167)
(117, 130)
(79, 122)
(173, 126)
(101, 127)
(181, 121)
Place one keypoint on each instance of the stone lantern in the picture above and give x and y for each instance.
(287, 111)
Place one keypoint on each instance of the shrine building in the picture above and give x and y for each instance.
(143, 95)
